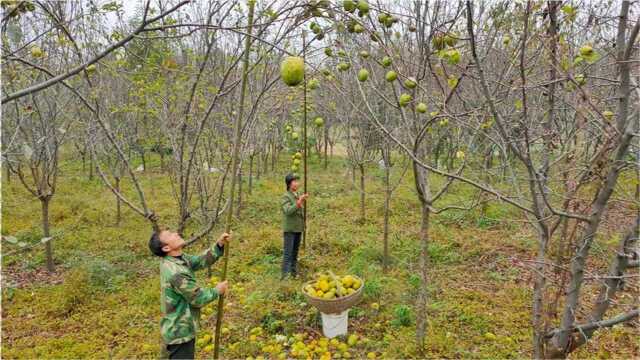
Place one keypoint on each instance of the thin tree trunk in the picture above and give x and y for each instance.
(118, 204)
(362, 194)
(91, 168)
(250, 174)
(387, 198)
(326, 142)
(46, 233)
(421, 306)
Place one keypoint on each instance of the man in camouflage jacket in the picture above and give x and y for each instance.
(181, 297)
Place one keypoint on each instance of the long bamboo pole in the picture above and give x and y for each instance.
(304, 135)
(237, 130)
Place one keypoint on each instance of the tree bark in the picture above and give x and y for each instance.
(385, 235)
(362, 194)
(118, 203)
(46, 233)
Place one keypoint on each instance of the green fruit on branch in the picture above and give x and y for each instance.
(410, 83)
(342, 53)
(328, 51)
(296, 162)
(298, 155)
(363, 75)
(391, 76)
(608, 114)
(386, 61)
(313, 84)
(295, 135)
(349, 6)
(421, 108)
(460, 155)
(36, 52)
(91, 68)
(343, 66)
(438, 41)
(318, 121)
(404, 100)
(586, 50)
(444, 122)
(451, 40)
(364, 54)
(294, 168)
(292, 70)
(358, 29)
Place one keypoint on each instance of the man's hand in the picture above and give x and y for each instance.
(224, 239)
(222, 287)
(301, 199)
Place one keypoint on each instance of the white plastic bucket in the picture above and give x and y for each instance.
(335, 324)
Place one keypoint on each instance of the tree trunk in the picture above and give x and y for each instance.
(326, 143)
(362, 193)
(91, 168)
(421, 304)
(387, 200)
(250, 174)
(118, 204)
(46, 233)
(144, 161)
(7, 173)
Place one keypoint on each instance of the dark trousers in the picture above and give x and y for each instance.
(182, 351)
(290, 258)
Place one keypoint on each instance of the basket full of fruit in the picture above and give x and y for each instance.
(333, 294)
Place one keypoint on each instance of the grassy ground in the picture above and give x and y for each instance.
(104, 301)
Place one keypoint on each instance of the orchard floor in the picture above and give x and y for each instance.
(103, 301)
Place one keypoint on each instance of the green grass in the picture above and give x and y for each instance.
(108, 303)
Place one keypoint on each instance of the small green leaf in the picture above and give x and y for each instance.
(11, 239)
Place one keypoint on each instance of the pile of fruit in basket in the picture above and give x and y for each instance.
(329, 286)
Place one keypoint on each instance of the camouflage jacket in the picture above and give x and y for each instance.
(181, 297)
(292, 216)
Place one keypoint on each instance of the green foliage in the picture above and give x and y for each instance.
(402, 316)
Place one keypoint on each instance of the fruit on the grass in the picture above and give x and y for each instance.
(352, 339)
(391, 76)
(410, 83)
(404, 100)
(363, 75)
(421, 108)
(292, 70)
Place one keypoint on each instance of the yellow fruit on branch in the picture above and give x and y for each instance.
(292, 70)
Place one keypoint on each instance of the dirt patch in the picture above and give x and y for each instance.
(20, 278)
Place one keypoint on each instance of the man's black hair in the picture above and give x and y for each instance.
(289, 178)
(155, 245)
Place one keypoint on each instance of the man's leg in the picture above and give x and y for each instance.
(296, 246)
(182, 351)
(287, 256)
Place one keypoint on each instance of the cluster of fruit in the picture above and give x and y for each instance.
(296, 160)
(329, 286)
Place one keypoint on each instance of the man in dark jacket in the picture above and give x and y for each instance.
(292, 224)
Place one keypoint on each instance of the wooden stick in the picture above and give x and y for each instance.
(237, 128)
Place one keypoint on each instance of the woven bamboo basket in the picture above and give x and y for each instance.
(334, 306)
